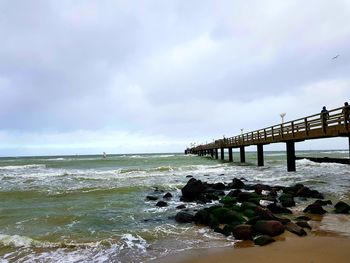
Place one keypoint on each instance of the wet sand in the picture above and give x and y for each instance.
(288, 248)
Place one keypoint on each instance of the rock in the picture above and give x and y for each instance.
(202, 217)
(283, 220)
(342, 208)
(219, 186)
(303, 218)
(192, 190)
(184, 217)
(303, 224)
(236, 184)
(247, 196)
(227, 216)
(161, 204)
(315, 209)
(269, 227)
(294, 228)
(189, 176)
(181, 206)
(234, 193)
(243, 232)
(228, 229)
(248, 205)
(323, 202)
(274, 208)
(157, 190)
(303, 192)
(287, 200)
(258, 188)
(264, 213)
(151, 198)
(168, 195)
(263, 240)
(228, 201)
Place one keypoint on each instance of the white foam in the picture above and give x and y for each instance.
(22, 167)
(135, 242)
(18, 241)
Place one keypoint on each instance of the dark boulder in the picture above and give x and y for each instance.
(227, 216)
(161, 204)
(263, 240)
(243, 232)
(168, 195)
(228, 201)
(303, 218)
(269, 227)
(181, 206)
(258, 188)
(234, 193)
(192, 190)
(151, 198)
(303, 224)
(315, 209)
(342, 208)
(323, 202)
(276, 209)
(236, 184)
(247, 196)
(287, 200)
(304, 192)
(189, 176)
(264, 213)
(184, 217)
(219, 186)
(294, 228)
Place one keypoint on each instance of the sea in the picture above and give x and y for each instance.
(94, 209)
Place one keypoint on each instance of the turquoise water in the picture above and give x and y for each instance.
(91, 209)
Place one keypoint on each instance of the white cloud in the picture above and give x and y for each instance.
(183, 70)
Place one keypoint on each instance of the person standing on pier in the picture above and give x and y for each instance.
(346, 113)
(324, 117)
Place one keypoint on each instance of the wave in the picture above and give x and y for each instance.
(22, 167)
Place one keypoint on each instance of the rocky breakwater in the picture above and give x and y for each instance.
(256, 212)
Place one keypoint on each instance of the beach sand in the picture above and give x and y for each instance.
(287, 249)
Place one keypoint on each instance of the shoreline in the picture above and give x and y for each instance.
(322, 247)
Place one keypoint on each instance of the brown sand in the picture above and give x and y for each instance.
(288, 248)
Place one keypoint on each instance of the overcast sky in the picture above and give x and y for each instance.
(81, 77)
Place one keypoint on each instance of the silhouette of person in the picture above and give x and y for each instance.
(324, 117)
(346, 113)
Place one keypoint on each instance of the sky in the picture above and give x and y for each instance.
(84, 77)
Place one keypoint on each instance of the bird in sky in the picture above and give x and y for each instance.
(335, 57)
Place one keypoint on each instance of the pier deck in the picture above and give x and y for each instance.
(311, 127)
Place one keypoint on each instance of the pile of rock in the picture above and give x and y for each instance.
(240, 212)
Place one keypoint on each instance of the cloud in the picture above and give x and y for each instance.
(176, 69)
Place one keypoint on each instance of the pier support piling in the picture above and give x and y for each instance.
(222, 154)
(290, 156)
(212, 153)
(242, 154)
(216, 154)
(230, 156)
(260, 152)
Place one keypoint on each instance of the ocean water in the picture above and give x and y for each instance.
(91, 209)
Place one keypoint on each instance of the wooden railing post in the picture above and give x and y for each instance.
(306, 126)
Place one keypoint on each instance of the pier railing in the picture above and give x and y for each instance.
(310, 127)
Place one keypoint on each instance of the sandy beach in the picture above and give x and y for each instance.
(287, 248)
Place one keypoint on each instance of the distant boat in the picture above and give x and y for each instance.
(104, 155)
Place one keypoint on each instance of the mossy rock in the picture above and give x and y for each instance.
(249, 213)
(228, 201)
(227, 216)
(248, 205)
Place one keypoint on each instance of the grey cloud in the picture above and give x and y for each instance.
(161, 67)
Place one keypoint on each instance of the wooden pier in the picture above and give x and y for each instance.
(311, 127)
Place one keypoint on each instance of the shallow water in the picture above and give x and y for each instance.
(90, 209)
